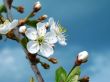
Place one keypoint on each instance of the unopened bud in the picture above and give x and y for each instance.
(84, 79)
(47, 26)
(83, 56)
(45, 65)
(53, 60)
(22, 29)
(37, 6)
(21, 22)
(43, 17)
(20, 9)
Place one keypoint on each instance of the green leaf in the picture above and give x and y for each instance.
(2, 8)
(24, 42)
(31, 23)
(60, 74)
(32, 80)
(73, 76)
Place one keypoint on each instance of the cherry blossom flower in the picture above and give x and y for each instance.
(8, 26)
(58, 30)
(40, 41)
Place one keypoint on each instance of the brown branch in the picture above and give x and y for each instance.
(34, 67)
(7, 4)
(37, 73)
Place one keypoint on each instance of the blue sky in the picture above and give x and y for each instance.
(88, 28)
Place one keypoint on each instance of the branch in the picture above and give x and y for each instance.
(7, 4)
(37, 73)
(34, 67)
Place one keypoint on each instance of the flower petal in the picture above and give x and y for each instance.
(32, 47)
(31, 33)
(46, 50)
(53, 26)
(51, 21)
(4, 27)
(62, 40)
(50, 37)
(13, 24)
(41, 29)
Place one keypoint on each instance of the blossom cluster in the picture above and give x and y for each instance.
(41, 40)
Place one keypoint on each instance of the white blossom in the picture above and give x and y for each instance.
(40, 40)
(22, 29)
(83, 56)
(58, 30)
(8, 26)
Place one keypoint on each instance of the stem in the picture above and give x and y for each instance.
(30, 15)
(34, 67)
(9, 15)
(37, 73)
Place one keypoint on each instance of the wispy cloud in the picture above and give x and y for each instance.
(100, 68)
(13, 65)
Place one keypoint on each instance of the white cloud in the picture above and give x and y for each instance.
(12, 64)
(101, 67)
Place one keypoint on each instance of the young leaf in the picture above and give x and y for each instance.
(73, 75)
(31, 23)
(60, 74)
(32, 80)
(2, 8)
(24, 42)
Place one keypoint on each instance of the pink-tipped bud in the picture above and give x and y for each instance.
(22, 29)
(20, 9)
(53, 60)
(84, 79)
(37, 6)
(45, 65)
(83, 56)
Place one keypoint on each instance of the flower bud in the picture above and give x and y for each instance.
(53, 60)
(37, 6)
(45, 65)
(83, 56)
(21, 22)
(20, 9)
(43, 17)
(22, 29)
(84, 79)
(47, 26)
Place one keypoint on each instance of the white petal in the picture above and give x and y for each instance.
(31, 33)
(51, 21)
(32, 47)
(50, 37)
(4, 29)
(83, 56)
(46, 50)
(62, 40)
(41, 29)
(53, 26)
(13, 24)
(22, 29)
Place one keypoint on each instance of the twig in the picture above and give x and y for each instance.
(34, 67)
(7, 5)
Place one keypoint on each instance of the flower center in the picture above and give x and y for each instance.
(40, 40)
